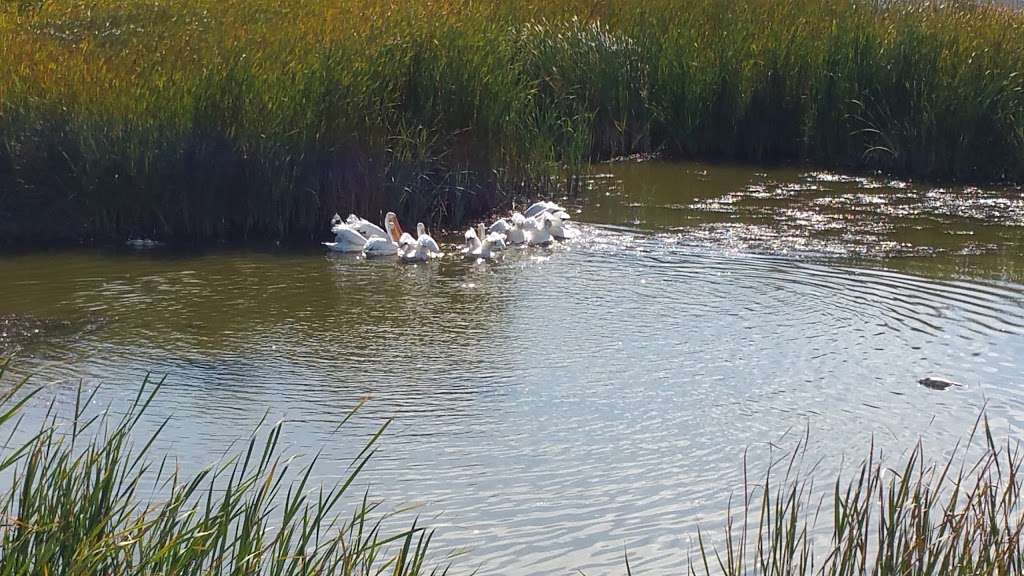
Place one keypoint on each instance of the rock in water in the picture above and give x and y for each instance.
(937, 383)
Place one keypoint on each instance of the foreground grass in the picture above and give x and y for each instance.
(962, 516)
(85, 496)
(255, 118)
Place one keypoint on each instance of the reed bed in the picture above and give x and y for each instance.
(962, 515)
(85, 495)
(199, 119)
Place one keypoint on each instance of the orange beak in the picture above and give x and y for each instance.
(396, 230)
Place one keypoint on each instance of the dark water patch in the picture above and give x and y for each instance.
(27, 334)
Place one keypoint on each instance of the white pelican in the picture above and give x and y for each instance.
(418, 252)
(538, 208)
(365, 227)
(482, 250)
(540, 234)
(495, 241)
(501, 226)
(406, 241)
(346, 238)
(516, 234)
(472, 243)
(388, 246)
(425, 240)
(558, 231)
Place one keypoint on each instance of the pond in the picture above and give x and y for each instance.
(558, 407)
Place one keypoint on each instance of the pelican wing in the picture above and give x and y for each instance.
(429, 243)
(538, 208)
(534, 209)
(378, 246)
(365, 227)
(500, 226)
(343, 234)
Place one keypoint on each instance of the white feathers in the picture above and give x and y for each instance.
(415, 253)
(472, 242)
(346, 239)
(486, 249)
(406, 240)
(540, 233)
(424, 239)
(539, 225)
(365, 227)
(538, 208)
(500, 226)
(377, 247)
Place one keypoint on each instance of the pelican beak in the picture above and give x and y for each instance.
(396, 229)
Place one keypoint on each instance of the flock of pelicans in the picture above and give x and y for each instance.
(538, 225)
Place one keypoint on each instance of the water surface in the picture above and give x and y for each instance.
(565, 404)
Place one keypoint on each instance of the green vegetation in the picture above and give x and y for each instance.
(84, 496)
(207, 119)
(961, 517)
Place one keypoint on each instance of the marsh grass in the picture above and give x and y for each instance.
(962, 515)
(86, 496)
(231, 119)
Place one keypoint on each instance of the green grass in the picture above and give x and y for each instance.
(86, 495)
(238, 119)
(960, 516)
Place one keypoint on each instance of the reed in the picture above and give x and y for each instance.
(961, 515)
(86, 496)
(233, 119)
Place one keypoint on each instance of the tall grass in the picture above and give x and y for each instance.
(86, 496)
(202, 119)
(963, 515)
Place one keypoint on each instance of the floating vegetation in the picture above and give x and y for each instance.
(18, 331)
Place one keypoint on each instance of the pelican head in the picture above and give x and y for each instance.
(420, 229)
(392, 226)
(336, 219)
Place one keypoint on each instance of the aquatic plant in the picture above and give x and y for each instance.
(200, 119)
(962, 515)
(86, 497)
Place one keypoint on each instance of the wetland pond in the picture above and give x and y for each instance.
(558, 407)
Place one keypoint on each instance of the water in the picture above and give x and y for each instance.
(565, 404)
